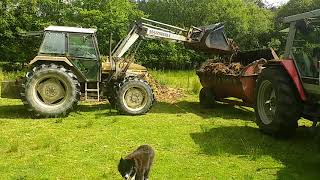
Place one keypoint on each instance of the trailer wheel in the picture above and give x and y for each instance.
(50, 90)
(277, 105)
(134, 96)
(206, 98)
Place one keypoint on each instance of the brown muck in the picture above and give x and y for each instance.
(236, 79)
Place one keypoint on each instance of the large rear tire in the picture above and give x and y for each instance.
(50, 90)
(277, 106)
(134, 96)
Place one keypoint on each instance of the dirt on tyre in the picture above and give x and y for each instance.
(50, 90)
(206, 98)
(134, 96)
(277, 104)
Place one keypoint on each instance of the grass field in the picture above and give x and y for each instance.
(190, 143)
(187, 80)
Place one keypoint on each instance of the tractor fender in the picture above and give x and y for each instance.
(60, 60)
(292, 71)
(50, 58)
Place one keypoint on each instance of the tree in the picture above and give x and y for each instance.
(296, 7)
(18, 16)
(245, 22)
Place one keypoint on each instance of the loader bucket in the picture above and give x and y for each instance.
(210, 39)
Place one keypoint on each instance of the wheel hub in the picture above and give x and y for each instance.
(271, 103)
(51, 91)
(267, 102)
(134, 98)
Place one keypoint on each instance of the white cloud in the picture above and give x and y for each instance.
(275, 2)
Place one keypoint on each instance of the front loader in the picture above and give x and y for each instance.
(68, 64)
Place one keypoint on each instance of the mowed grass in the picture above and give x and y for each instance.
(190, 143)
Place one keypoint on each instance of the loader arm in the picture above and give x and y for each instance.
(152, 30)
(208, 39)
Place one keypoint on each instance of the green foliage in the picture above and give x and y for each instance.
(18, 16)
(278, 39)
(167, 55)
(297, 6)
(247, 23)
(108, 16)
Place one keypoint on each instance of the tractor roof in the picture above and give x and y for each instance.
(306, 15)
(71, 29)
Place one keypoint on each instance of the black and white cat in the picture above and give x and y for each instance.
(137, 164)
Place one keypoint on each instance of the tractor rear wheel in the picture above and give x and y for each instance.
(277, 106)
(134, 96)
(50, 90)
(206, 98)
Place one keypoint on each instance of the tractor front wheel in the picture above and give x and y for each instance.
(277, 105)
(134, 96)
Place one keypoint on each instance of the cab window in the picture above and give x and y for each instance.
(53, 43)
(81, 46)
(306, 50)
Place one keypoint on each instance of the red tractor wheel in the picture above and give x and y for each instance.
(277, 106)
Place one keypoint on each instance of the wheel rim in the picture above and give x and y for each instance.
(51, 91)
(135, 98)
(266, 102)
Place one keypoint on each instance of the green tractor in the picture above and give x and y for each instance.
(68, 64)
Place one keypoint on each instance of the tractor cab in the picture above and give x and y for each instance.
(78, 47)
(305, 51)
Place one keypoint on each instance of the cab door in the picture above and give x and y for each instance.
(84, 55)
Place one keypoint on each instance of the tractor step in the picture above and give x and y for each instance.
(96, 90)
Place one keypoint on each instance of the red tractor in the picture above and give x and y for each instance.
(280, 91)
(289, 89)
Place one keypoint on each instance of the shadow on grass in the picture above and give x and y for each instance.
(299, 154)
(14, 112)
(20, 112)
(100, 109)
(93, 107)
(225, 111)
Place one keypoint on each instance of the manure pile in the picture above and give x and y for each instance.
(214, 68)
(163, 93)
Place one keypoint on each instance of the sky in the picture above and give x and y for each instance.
(275, 2)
